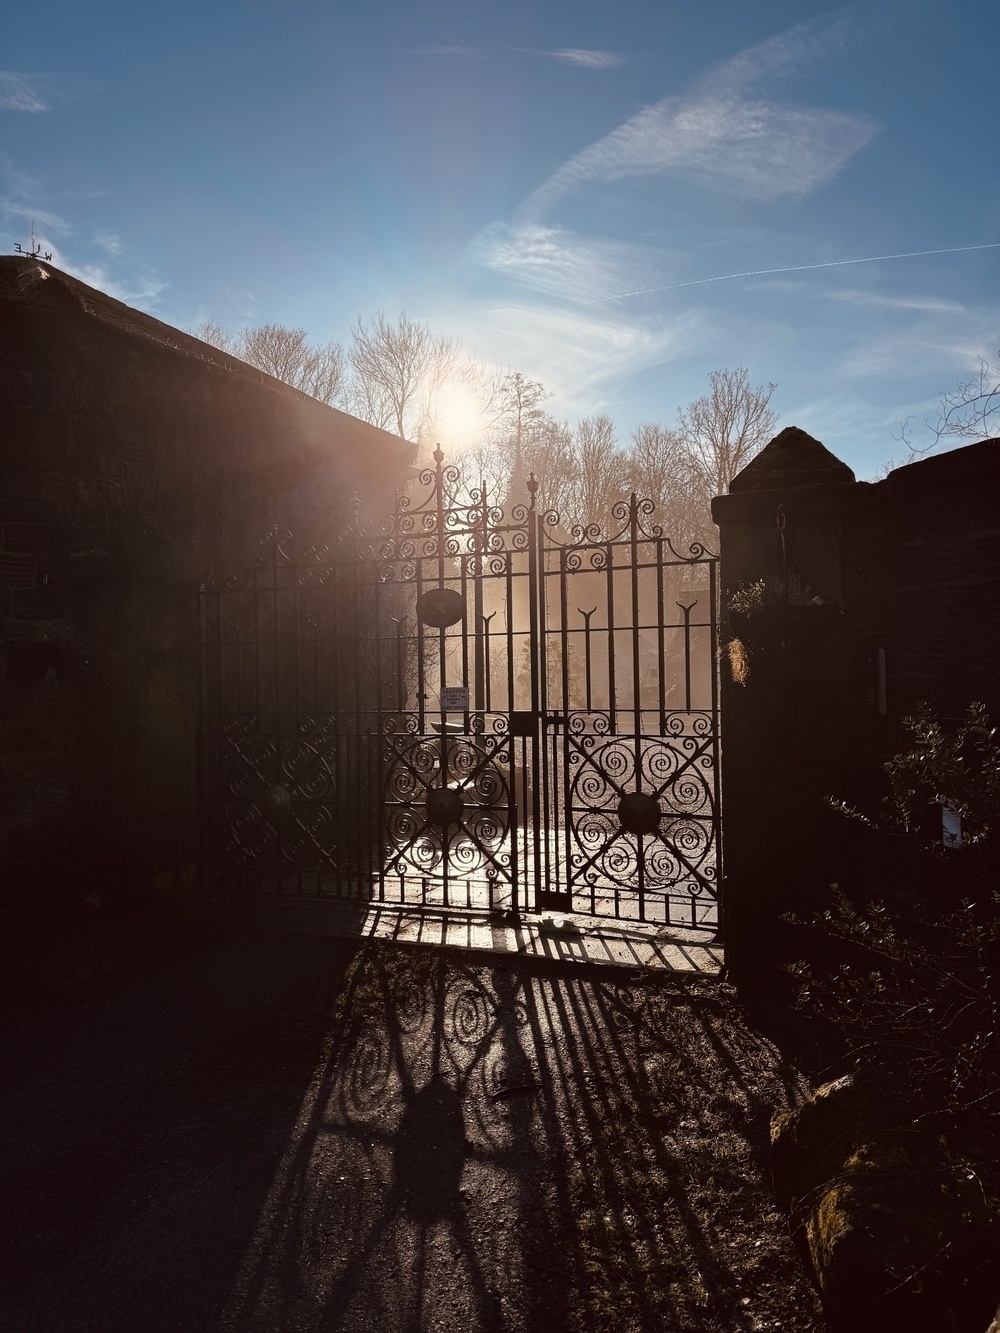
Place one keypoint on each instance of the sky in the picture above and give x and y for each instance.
(596, 195)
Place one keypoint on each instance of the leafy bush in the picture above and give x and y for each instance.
(919, 998)
(956, 770)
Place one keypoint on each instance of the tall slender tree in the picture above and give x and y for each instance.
(723, 430)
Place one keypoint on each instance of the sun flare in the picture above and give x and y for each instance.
(458, 418)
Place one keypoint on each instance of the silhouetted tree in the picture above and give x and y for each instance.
(398, 368)
(722, 431)
(284, 353)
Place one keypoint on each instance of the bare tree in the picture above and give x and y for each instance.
(520, 415)
(659, 469)
(548, 451)
(287, 355)
(723, 430)
(216, 336)
(516, 436)
(601, 473)
(284, 353)
(972, 410)
(397, 369)
(366, 398)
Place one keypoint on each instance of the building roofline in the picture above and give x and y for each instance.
(24, 275)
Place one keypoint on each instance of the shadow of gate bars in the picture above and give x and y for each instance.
(468, 706)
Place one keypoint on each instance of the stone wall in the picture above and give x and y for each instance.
(135, 463)
(846, 604)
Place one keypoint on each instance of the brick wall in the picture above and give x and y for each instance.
(901, 576)
(134, 463)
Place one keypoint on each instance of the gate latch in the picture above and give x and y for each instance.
(524, 723)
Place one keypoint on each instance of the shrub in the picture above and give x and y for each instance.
(919, 998)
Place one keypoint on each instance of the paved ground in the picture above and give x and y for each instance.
(248, 1131)
(585, 939)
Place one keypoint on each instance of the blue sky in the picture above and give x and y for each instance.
(547, 182)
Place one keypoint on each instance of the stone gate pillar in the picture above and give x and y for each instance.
(785, 686)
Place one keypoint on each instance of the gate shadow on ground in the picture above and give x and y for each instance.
(486, 1150)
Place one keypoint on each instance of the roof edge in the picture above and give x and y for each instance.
(30, 273)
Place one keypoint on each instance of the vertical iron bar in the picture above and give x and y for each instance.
(563, 703)
(633, 510)
(713, 613)
(400, 666)
(586, 655)
(378, 759)
(687, 651)
(661, 664)
(479, 574)
(612, 690)
(442, 663)
(421, 674)
(464, 628)
(489, 660)
(640, 842)
(537, 652)
(548, 806)
(509, 575)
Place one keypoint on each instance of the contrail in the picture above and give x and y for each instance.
(793, 268)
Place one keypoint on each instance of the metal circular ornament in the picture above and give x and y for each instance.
(639, 813)
(441, 607)
(276, 802)
(444, 806)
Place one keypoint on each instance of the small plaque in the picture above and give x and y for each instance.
(440, 607)
(455, 699)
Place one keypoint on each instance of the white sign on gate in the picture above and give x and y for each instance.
(455, 699)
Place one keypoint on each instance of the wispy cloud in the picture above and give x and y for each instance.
(870, 300)
(35, 93)
(469, 52)
(805, 268)
(843, 416)
(566, 55)
(575, 55)
(243, 302)
(717, 133)
(588, 59)
(810, 42)
(576, 353)
(937, 343)
(142, 287)
(23, 197)
(563, 263)
(110, 243)
(29, 212)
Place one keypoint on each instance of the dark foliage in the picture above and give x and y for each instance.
(918, 995)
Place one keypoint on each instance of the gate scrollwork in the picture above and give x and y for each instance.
(576, 765)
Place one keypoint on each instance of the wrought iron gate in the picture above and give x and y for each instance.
(469, 707)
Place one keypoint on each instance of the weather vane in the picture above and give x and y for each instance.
(36, 251)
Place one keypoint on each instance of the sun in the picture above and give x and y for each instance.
(458, 418)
